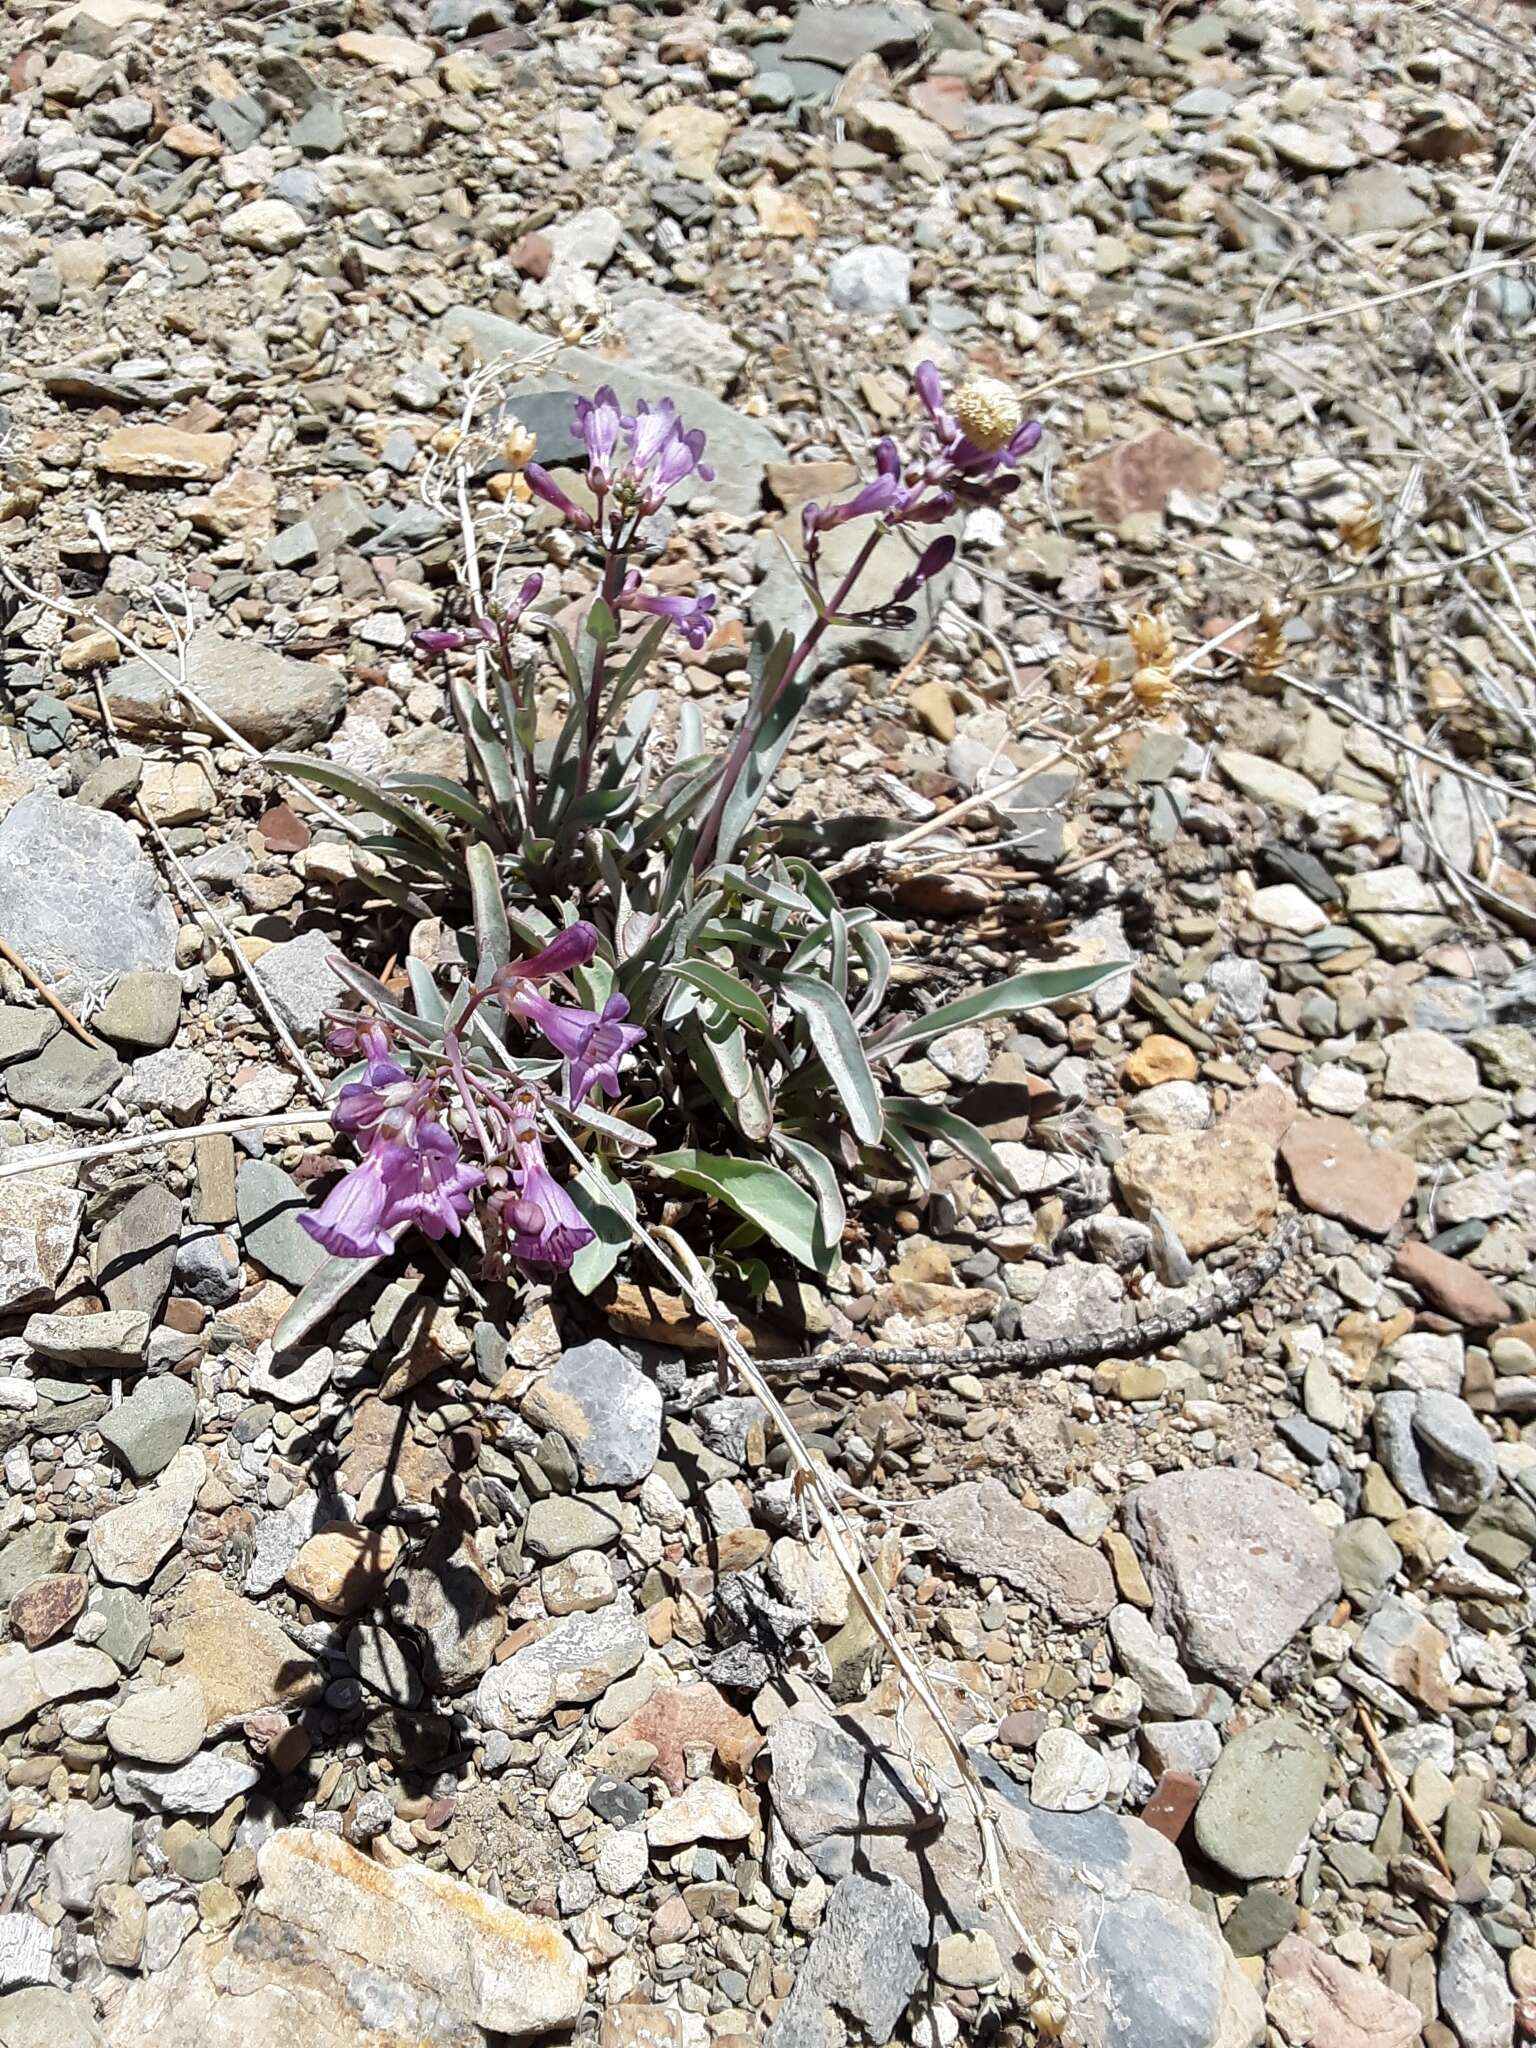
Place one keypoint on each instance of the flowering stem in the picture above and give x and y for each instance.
(615, 560)
(751, 727)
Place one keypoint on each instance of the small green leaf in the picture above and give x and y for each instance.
(822, 1175)
(426, 994)
(961, 1135)
(322, 1292)
(836, 1040)
(606, 1213)
(358, 789)
(763, 1194)
(720, 1059)
(446, 795)
(601, 625)
(1028, 991)
(493, 935)
(725, 989)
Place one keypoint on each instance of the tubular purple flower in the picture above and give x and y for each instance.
(433, 1190)
(363, 1105)
(692, 616)
(449, 639)
(887, 457)
(599, 420)
(569, 949)
(592, 1041)
(354, 1032)
(353, 1222)
(879, 495)
(541, 1224)
(532, 585)
(929, 387)
(936, 556)
(543, 485)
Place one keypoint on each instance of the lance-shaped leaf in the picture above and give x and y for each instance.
(818, 1169)
(367, 795)
(325, 1289)
(763, 1194)
(724, 989)
(605, 1203)
(1027, 991)
(961, 1136)
(836, 1040)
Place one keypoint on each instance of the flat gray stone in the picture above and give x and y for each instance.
(303, 985)
(1237, 1564)
(66, 1079)
(1474, 1991)
(94, 1847)
(135, 1253)
(980, 1527)
(109, 1340)
(78, 898)
(606, 1409)
(269, 698)
(868, 1956)
(150, 1426)
(39, 1227)
(42, 2016)
(142, 1011)
(1261, 1799)
(579, 1658)
(205, 1784)
(270, 1204)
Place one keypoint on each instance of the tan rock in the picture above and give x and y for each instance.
(342, 1568)
(1141, 475)
(1451, 1285)
(189, 141)
(243, 1660)
(160, 454)
(1343, 2008)
(692, 135)
(1214, 1186)
(1159, 1058)
(934, 710)
(400, 56)
(781, 213)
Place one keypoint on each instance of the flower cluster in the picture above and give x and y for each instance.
(634, 461)
(412, 1169)
(970, 455)
(489, 630)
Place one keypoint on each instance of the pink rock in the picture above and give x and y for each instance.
(1345, 2008)
(1141, 475)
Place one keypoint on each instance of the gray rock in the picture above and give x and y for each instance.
(1474, 1992)
(980, 1527)
(21, 1691)
(109, 1341)
(1149, 1658)
(579, 1658)
(1434, 1449)
(381, 1663)
(1236, 1562)
(740, 449)
(35, 1553)
(1261, 1799)
(66, 1079)
(280, 1536)
(867, 1959)
(270, 1205)
(606, 1409)
(24, 1033)
(26, 1952)
(303, 986)
(295, 1377)
(204, 1785)
(1191, 1746)
(78, 899)
(142, 1011)
(560, 1525)
(873, 278)
(668, 339)
(840, 36)
(1070, 1775)
(151, 1425)
(128, 1544)
(42, 2016)
(1368, 1562)
(94, 1847)
(135, 1253)
(175, 1082)
(163, 1724)
(444, 1597)
(122, 1623)
(39, 1226)
(269, 698)
(208, 1268)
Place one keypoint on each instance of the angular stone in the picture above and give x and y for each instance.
(1261, 1799)
(151, 1425)
(573, 1662)
(268, 697)
(142, 1013)
(1237, 1564)
(302, 983)
(163, 1724)
(982, 1529)
(78, 899)
(1450, 1285)
(675, 1719)
(66, 1079)
(129, 1544)
(48, 1607)
(136, 1251)
(1141, 475)
(706, 1811)
(608, 1412)
(1214, 1187)
(21, 1693)
(161, 454)
(866, 1961)
(445, 1598)
(270, 1205)
(1339, 2006)
(1474, 1991)
(95, 1847)
(110, 1341)
(39, 1226)
(1428, 1067)
(204, 1784)
(1405, 1648)
(1337, 1172)
(342, 1568)
(269, 225)
(240, 1656)
(1266, 781)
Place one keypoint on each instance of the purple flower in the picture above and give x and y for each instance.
(433, 1189)
(598, 424)
(879, 495)
(354, 1032)
(386, 1090)
(692, 616)
(540, 1224)
(662, 453)
(532, 585)
(353, 1222)
(449, 639)
(573, 947)
(936, 556)
(592, 1041)
(543, 485)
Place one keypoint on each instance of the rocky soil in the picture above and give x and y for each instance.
(475, 1673)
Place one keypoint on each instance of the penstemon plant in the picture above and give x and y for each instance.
(639, 969)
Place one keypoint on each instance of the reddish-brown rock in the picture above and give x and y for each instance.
(1139, 476)
(1175, 1799)
(48, 1607)
(1450, 1285)
(1337, 1172)
(677, 1716)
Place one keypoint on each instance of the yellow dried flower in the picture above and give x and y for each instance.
(1266, 651)
(988, 413)
(445, 440)
(1153, 688)
(1151, 639)
(509, 485)
(517, 449)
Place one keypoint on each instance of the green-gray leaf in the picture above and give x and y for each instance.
(956, 1131)
(606, 1214)
(323, 1291)
(1027, 991)
(763, 1194)
(725, 989)
(836, 1040)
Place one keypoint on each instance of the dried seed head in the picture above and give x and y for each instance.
(445, 440)
(987, 412)
(517, 449)
(1153, 688)
(1151, 639)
